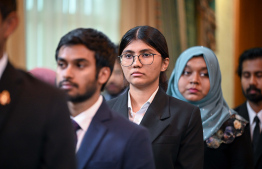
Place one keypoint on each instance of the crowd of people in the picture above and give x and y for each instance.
(109, 106)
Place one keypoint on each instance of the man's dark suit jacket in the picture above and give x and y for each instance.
(175, 129)
(242, 110)
(113, 142)
(35, 127)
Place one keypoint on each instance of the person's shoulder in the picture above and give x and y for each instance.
(181, 104)
(116, 100)
(125, 124)
(34, 86)
(241, 106)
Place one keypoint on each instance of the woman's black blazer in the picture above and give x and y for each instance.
(175, 129)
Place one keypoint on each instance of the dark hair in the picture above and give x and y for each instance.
(249, 54)
(94, 40)
(152, 37)
(6, 7)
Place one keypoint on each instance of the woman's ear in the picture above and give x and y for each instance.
(104, 75)
(165, 64)
(10, 23)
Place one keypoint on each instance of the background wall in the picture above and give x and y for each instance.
(239, 25)
(225, 46)
(16, 47)
(248, 34)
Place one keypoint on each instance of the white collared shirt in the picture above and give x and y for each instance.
(3, 63)
(138, 116)
(252, 115)
(84, 119)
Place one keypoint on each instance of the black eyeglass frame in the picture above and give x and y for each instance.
(120, 57)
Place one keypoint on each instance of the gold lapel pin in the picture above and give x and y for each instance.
(5, 97)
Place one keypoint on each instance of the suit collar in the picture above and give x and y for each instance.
(10, 81)
(121, 105)
(258, 153)
(157, 116)
(242, 110)
(95, 133)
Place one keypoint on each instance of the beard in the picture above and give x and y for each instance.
(83, 97)
(90, 90)
(257, 97)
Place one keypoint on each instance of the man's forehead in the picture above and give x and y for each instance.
(76, 52)
(252, 64)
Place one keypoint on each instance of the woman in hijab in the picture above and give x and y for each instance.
(196, 79)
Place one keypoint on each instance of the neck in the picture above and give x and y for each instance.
(139, 96)
(1, 53)
(77, 108)
(2, 50)
(256, 106)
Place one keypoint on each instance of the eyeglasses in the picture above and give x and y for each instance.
(145, 59)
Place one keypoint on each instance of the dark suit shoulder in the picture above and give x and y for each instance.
(36, 119)
(36, 87)
(182, 103)
(113, 101)
(187, 110)
(240, 106)
(125, 124)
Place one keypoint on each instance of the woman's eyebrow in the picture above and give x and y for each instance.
(141, 51)
(145, 50)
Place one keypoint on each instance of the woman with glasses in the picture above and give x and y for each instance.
(196, 79)
(174, 126)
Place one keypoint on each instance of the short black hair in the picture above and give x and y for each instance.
(249, 54)
(105, 51)
(6, 7)
(154, 38)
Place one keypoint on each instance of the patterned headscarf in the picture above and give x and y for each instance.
(214, 109)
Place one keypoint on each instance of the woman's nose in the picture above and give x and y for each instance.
(136, 62)
(194, 78)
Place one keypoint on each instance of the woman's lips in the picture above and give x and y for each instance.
(193, 90)
(136, 74)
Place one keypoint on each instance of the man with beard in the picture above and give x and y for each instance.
(116, 84)
(104, 139)
(250, 72)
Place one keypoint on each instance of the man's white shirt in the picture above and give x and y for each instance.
(84, 119)
(252, 114)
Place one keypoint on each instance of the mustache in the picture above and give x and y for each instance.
(67, 81)
(111, 83)
(253, 87)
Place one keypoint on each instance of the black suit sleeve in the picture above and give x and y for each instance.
(138, 154)
(58, 140)
(191, 153)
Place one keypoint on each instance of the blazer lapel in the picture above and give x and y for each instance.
(121, 105)
(258, 152)
(157, 115)
(10, 81)
(94, 135)
(243, 111)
